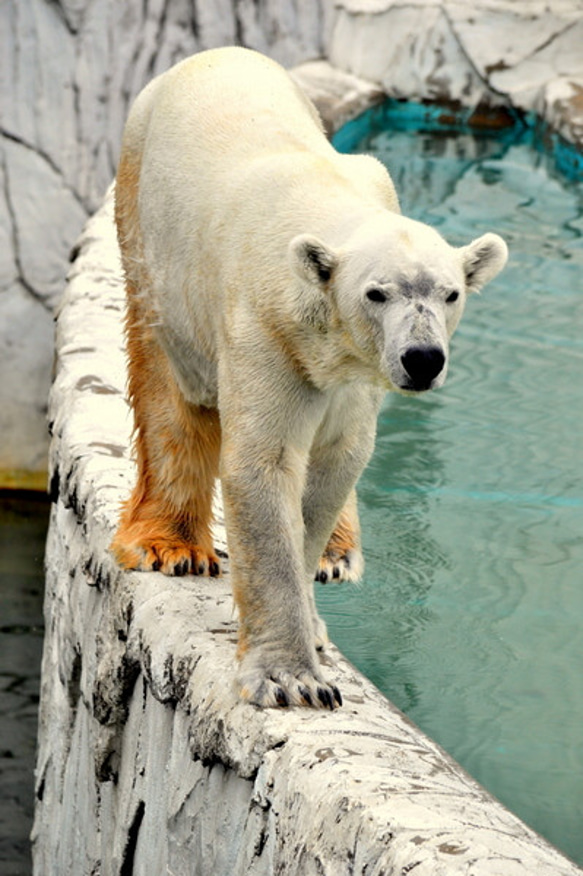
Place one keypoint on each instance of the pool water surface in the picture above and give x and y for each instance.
(470, 617)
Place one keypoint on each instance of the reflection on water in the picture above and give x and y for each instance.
(23, 525)
(471, 611)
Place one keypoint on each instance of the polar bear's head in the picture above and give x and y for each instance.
(397, 289)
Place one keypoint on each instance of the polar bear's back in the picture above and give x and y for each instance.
(230, 124)
(227, 102)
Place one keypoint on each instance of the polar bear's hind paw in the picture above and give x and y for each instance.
(172, 558)
(337, 567)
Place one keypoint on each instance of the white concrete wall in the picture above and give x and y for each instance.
(148, 763)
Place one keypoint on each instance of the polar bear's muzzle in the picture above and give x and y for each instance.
(423, 366)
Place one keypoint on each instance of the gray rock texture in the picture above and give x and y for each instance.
(148, 763)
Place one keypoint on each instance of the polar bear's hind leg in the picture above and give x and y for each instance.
(342, 558)
(166, 523)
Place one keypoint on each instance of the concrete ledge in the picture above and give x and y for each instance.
(148, 763)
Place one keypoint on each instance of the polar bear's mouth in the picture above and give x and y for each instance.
(416, 390)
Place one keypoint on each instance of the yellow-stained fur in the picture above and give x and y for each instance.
(166, 523)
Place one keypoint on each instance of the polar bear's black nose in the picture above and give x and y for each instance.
(422, 364)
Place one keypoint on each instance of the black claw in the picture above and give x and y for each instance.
(322, 576)
(325, 698)
(214, 569)
(181, 568)
(337, 694)
(281, 697)
(306, 695)
(200, 569)
(336, 572)
(156, 566)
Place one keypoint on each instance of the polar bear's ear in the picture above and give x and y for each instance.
(312, 259)
(483, 258)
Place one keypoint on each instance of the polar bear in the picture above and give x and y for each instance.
(274, 293)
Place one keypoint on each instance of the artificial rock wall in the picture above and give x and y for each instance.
(493, 53)
(148, 763)
(69, 70)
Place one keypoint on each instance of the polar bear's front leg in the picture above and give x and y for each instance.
(263, 468)
(278, 661)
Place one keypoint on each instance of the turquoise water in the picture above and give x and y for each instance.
(470, 617)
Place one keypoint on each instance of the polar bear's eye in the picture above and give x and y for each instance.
(376, 295)
(453, 296)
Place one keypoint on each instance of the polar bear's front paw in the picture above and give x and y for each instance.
(337, 567)
(170, 556)
(282, 688)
